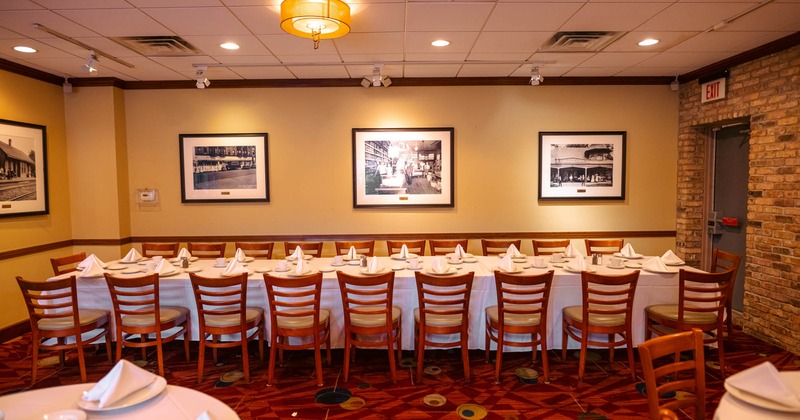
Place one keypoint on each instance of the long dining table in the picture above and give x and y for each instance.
(176, 290)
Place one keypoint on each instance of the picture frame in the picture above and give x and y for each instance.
(230, 167)
(403, 167)
(23, 169)
(582, 165)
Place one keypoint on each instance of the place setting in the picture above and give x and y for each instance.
(298, 254)
(507, 265)
(373, 268)
(301, 269)
(463, 255)
(765, 387)
(627, 252)
(440, 267)
(404, 255)
(577, 265)
(515, 255)
(234, 268)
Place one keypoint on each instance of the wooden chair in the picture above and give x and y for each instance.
(521, 309)
(369, 311)
(166, 250)
(138, 313)
(222, 310)
(442, 246)
(256, 249)
(701, 304)
(497, 247)
(667, 377)
(54, 314)
(68, 264)
(603, 246)
(294, 311)
(549, 247)
(414, 247)
(362, 247)
(607, 305)
(207, 250)
(724, 261)
(311, 248)
(443, 309)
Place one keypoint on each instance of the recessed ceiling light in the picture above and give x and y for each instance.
(440, 43)
(24, 49)
(648, 42)
(230, 46)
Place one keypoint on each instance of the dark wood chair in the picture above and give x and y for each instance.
(57, 322)
(724, 261)
(443, 309)
(256, 249)
(497, 247)
(294, 311)
(138, 313)
(68, 264)
(606, 309)
(166, 250)
(222, 310)
(369, 311)
(309, 248)
(414, 247)
(701, 304)
(444, 246)
(362, 247)
(603, 246)
(207, 250)
(521, 308)
(667, 376)
(549, 247)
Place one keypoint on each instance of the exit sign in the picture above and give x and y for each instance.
(712, 90)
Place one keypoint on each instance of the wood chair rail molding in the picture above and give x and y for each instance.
(21, 252)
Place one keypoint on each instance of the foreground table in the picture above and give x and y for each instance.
(173, 403)
(733, 408)
(176, 290)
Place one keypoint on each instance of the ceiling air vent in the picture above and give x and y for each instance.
(159, 46)
(580, 41)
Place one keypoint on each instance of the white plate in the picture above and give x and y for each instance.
(177, 259)
(305, 257)
(634, 257)
(588, 270)
(117, 267)
(451, 270)
(615, 268)
(675, 264)
(635, 265)
(129, 262)
(137, 397)
(132, 270)
(65, 415)
(470, 260)
(262, 270)
(328, 269)
(174, 273)
(365, 271)
(193, 269)
(398, 268)
(451, 262)
(248, 273)
(308, 271)
(220, 266)
(763, 402)
(410, 256)
(517, 269)
(338, 265)
(667, 271)
(278, 270)
(519, 257)
(354, 262)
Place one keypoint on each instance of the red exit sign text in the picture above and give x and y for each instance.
(712, 91)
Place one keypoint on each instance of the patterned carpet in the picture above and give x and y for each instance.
(606, 392)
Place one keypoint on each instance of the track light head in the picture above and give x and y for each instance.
(91, 65)
(675, 85)
(376, 79)
(201, 81)
(536, 78)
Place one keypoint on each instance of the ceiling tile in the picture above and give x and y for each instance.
(285, 44)
(19, 5)
(269, 72)
(173, 3)
(84, 4)
(382, 17)
(117, 22)
(431, 17)
(260, 20)
(531, 17)
(198, 20)
(420, 42)
(210, 44)
(431, 70)
(500, 42)
(22, 23)
(692, 16)
(630, 41)
(773, 16)
(487, 70)
(319, 72)
(612, 16)
(717, 41)
(363, 43)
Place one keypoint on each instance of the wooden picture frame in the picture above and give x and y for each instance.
(23, 169)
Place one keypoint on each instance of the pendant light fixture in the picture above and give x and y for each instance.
(315, 19)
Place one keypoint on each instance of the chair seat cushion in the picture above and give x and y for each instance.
(520, 320)
(291, 322)
(87, 316)
(168, 314)
(373, 320)
(690, 317)
(436, 320)
(232, 320)
(600, 320)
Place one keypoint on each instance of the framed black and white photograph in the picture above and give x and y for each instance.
(224, 167)
(403, 167)
(582, 165)
(23, 169)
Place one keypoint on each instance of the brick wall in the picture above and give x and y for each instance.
(766, 92)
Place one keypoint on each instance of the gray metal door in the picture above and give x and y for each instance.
(731, 169)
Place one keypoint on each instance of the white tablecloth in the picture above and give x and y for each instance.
(732, 408)
(174, 403)
(177, 291)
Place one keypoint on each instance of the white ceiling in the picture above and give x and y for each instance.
(489, 38)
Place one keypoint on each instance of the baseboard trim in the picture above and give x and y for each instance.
(13, 331)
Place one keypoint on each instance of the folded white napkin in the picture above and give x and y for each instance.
(460, 251)
(164, 267)
(373, 267)
(91, 258)
(92, 269)
(627, 251)
(132, 256)
(123, 379)
(669, 257)
(404, 251)
(506, 264)
(297, 254)
(351, 253)
(301, 266)
(440, 265)
(655, 264)
(184, 254)
(571, 251)
(513, 251)
(578, 263)
(239, 255)
(233, 268)
(764, 381)
(204, 416)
